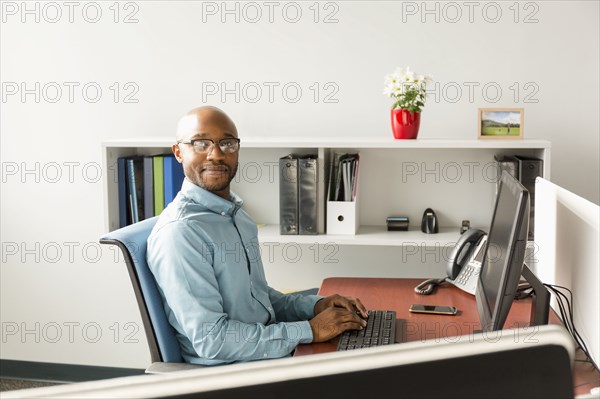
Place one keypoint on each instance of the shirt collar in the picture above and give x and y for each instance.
(211, 201)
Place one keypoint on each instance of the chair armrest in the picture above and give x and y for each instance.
(164, 368)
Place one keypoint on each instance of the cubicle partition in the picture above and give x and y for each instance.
(475, 366)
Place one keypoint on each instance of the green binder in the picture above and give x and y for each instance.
(159, 177)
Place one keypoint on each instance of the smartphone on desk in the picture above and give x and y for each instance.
(434, 309)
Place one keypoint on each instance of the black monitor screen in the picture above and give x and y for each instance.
(503, 261)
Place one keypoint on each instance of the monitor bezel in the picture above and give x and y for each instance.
(494, 319)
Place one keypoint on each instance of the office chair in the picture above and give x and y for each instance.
(164, 348)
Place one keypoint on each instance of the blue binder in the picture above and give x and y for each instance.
(173, 174)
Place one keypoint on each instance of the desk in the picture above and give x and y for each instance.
(398, 295)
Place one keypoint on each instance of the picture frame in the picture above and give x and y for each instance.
(500, 123)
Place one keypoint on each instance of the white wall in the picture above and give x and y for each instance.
(54, 281)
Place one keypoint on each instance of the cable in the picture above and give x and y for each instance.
(565, 308)
(566, 313)
(427, 286)
(524, 290)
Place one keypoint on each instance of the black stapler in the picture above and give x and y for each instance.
(429, 224)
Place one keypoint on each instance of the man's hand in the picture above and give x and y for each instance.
(351, 304)
(333, 321)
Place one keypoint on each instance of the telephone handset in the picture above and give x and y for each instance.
(464, 265)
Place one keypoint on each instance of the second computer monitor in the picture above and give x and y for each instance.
(503, 262)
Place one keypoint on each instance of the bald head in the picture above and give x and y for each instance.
(213, 167)
(198, 119)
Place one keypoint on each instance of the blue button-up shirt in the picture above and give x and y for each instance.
(205, 256)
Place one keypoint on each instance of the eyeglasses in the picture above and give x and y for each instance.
(227, 146)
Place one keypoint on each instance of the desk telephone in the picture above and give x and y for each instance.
(464, 264)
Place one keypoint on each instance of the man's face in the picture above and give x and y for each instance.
(211, 169)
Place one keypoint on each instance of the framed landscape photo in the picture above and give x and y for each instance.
(500, 123)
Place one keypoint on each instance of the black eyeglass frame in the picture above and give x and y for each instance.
(218, 143)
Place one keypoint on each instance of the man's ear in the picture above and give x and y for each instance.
(177, 152)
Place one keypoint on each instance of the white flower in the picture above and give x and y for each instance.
(392, 84)
(407, 87)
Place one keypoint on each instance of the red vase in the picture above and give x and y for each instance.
(405, 124)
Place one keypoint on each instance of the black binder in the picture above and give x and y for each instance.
(307, 194)
(123, 182)
(288, 195)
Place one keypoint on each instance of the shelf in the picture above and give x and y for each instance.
(348, 142)
(367, 235)
(398, 177)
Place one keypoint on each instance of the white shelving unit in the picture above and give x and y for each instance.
(397, 177)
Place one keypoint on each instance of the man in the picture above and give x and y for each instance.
(204, 255)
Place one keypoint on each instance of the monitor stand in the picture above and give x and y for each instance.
(540, 307)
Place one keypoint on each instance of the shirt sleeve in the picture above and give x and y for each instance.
(186, 279)
(293, 307)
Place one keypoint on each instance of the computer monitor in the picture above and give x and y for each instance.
(504, 256)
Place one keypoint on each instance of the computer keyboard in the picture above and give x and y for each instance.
(380, 330)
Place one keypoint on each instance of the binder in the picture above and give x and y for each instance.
(122, 182)
(307, 195)
(159, 183)
(288, 195)
(333, 172)
(529, 170)
(135, 174)
(340, 177)
(173, 178)
(148, 187)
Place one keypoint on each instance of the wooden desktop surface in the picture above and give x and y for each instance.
(398, 294)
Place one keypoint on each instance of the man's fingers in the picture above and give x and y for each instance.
(334, 321)
(345, 316)
(350, 325)
(353, 305)
(361, 308)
